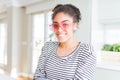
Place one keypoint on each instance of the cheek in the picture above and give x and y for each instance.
(66, 29)
(70, 32)
(71, 29)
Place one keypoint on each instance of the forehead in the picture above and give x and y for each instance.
(61, 17)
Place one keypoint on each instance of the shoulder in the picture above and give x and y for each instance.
(50, 44)
(87, 49)
(87, 46)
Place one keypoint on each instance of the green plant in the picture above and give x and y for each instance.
(113, 47)
(116, 47)
(107, 47)
(50, 36)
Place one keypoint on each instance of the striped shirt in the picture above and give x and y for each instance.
(79, 65)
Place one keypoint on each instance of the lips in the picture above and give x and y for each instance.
(61, 35)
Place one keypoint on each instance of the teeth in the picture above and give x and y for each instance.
(61, 35)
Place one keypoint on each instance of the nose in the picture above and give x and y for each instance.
(60, 29)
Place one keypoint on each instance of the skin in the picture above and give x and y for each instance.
(67, 42)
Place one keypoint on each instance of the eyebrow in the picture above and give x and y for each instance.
(62, 21)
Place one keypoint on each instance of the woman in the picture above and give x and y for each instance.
(66, 59)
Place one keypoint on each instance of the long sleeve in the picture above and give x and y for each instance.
(40, 72)
(80, 65)
(86, 69)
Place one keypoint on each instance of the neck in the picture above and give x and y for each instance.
(68, 44)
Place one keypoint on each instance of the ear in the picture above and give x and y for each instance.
(75, 26)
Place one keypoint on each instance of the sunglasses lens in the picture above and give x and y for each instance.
(63, 26)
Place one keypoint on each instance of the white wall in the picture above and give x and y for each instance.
(109, 9)
(16, 35)
(107, 74)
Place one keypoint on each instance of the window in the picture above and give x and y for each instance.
(112, 32)
(37, 38)
(105, 29)
(40, 34)
(3, 43)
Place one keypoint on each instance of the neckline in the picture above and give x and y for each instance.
(67, 56)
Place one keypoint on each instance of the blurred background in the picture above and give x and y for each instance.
(24, 28)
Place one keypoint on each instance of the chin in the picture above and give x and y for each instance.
(62, 40)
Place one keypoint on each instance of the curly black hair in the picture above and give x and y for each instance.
(69, 9)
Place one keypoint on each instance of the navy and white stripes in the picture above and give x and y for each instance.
(79, 65)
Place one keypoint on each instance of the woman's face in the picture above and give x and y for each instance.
(63, 26)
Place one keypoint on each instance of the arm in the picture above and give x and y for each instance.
(40, 72)
(86, 69)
